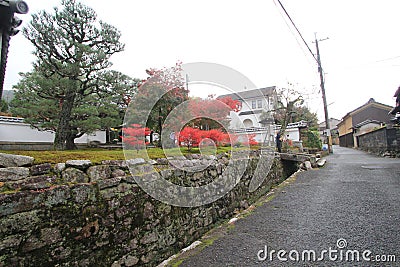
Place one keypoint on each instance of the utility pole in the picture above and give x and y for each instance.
(321, 76)
(187, 81)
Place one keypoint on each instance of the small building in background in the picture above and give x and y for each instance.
(333, 124)
(367, 116)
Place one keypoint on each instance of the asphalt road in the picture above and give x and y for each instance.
(349, 207)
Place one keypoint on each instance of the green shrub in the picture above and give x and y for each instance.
(311, 140)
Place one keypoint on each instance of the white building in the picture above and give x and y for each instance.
(15, 134)
(256, 116)
(254, 103)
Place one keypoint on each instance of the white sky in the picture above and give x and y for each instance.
(361, 57)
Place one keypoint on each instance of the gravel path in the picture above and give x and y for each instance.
(355, 197)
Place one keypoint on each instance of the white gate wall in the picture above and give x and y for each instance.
(18, 132)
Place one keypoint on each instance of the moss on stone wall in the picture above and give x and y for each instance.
(79, 214)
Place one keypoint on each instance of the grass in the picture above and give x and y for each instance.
(97, 155)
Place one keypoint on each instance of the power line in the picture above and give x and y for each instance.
(294, 35)
(298, 31)
(321, 73)
(386, 59)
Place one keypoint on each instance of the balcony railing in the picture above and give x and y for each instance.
(266, 129)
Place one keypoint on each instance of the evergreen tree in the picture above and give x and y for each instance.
(39, 100)
(73, 50)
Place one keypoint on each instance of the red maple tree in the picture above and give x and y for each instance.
(212, 113)
(235, 105)
(251, 141)
(189, 137)
(163, 90)
(220, 138)
(135, 136)
(192, 137)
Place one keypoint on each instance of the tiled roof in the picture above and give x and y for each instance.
(370, 101)
(249, 94)
(367, 122)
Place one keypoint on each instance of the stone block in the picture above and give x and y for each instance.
(74, 176)
(20, 202)
(176, 163)
(34, 182)
(130, 260)
(40, 169)
(149, 237)
(109, 182)
(162, 161)
(307, 165)
(118, 173)
(32, 243)
(136, 161)
(118, 163)
(152, 162)
(79, 164)
(57, 195)
(50, 235)
(13, 173)
(100, 172)
(148, 210)
(20, 222)
(9, 160)
(59, 167)
(82, 193)
(10, 242)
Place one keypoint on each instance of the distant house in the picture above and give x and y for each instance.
(365, 118)
(254, 103)
(333, 124)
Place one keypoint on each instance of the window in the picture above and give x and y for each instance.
(253, 104)
(247, 123)
(259, 103)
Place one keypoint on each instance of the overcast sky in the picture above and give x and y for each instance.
(361, 58)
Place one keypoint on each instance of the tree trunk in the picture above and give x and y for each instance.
(160, 125)
(70, 141)
(63, 128)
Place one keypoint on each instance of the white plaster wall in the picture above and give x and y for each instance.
(21, 132)
(292, 134)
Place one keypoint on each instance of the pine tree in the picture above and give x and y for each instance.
(39, 100)
(73, 50)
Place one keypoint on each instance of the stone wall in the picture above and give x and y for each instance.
(384, 141)
(80, 214)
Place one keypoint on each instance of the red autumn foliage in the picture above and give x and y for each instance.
(189, 137)
(135, 136)
(250, 140)
(212, 113)
(163, 90)
(192, 137)
(235, 105)
(219, 137)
